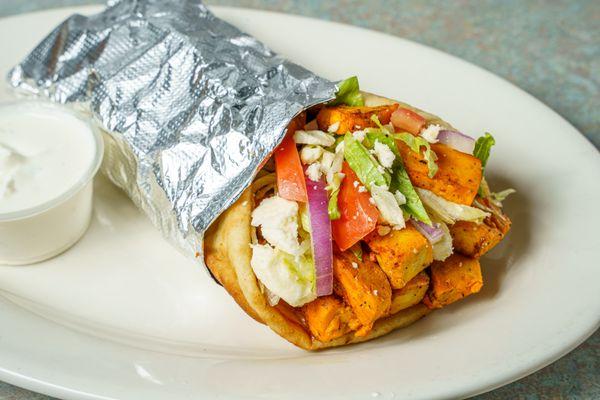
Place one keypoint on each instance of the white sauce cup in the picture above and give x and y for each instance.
(46, 179)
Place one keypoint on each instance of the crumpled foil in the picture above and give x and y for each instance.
(191, 105)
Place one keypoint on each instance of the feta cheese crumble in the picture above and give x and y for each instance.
(310, 154)
(383, 153)
(278, 220)
(400, 198)
(388, 206)
(314, 172)
(359, 135)
(431, 133)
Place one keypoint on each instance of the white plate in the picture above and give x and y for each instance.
(147, 323)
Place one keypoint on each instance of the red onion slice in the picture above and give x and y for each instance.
(433, 233)
(456, 140)
(321, 235)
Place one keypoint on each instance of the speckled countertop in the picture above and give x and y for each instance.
(551, 49)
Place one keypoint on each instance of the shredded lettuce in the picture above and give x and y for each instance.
(415, 143)
(332, 206)
(484, 189)
(334, 188)
(367, 169)
(442, 249)
(448, 211)
(482, 149)
(499, 197)
(349, 93)
(290, 277)
(483, 145)
(387, 129)
(400, 179)
(413, 206)
(502, 195)
(305, 218)
(317, 138)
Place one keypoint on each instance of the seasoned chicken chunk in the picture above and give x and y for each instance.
(401, 254)
(364, 286)
(411, 294)
(458, 176)
(350, 119)
(328, 318)
(451, 280)
(475, 240)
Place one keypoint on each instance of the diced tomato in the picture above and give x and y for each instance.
(358, 216)
(291, 183)
(408, 120)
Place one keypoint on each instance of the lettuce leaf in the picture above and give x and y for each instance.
(502, 195)
(348, 93)
(498, 197)
(443, 248)
(332, 206)
(413, 206)
(448, 211)
(482, 149)
(483, 145)
(367, 169)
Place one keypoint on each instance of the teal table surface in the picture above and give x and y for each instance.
(551, 49)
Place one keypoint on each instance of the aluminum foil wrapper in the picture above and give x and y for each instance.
(191, 105)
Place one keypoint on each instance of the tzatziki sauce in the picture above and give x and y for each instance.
(43, 154)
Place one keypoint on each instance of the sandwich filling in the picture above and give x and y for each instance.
(365, 210)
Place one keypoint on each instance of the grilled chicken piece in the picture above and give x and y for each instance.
(411, 294)
(364, 286)
(351, 119)
(475, 240)
(328, 318)
(401, 254)
(458, 176)
(451, 280)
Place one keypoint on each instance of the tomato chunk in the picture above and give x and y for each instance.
(291, 184)
(408, 120)
(358, 217)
